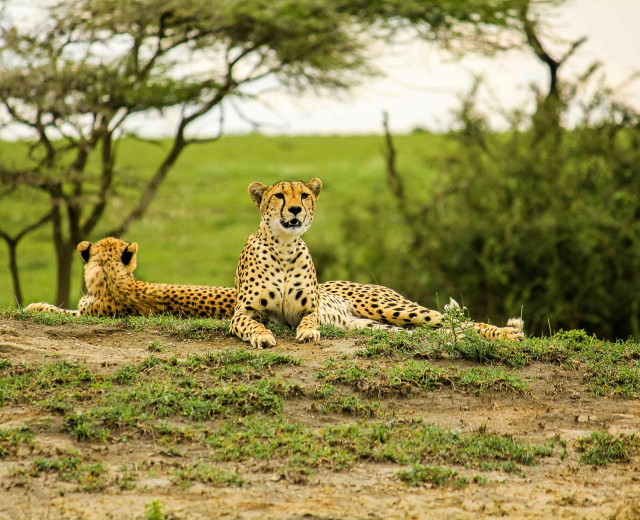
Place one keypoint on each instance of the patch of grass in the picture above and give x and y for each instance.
(206, 474)
(12, 437)
(84, 427)
(480, 480)
(126, 480)
(137, 395)
(434, 475)
(91, 476)
(228, 364)
(155, 346)
(332, 332)
(601, 448)
(173, 451)
(350, 373)
(339, 447)
(153, 511)
(200, 328)
(419, 375)
(141, 391)
(27, 382)
(327, 400)
(424, 376)
(614, 380)
(258, 360)
(612, 368)
(415, 343)
(193, 328)
(157, 399)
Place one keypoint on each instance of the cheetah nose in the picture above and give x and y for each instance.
(295, 209)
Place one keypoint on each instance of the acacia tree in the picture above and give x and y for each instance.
(78, 76)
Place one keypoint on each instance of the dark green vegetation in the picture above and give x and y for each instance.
(239, 406)
(540, 217)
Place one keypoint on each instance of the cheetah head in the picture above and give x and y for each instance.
(108, 258)
(286, 207)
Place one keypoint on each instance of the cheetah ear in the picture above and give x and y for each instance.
(129, 253)
(256, 189)
(84, 248)
(315, 185)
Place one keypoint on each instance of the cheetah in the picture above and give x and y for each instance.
(379, 303)
(276, 279)
(113, 291)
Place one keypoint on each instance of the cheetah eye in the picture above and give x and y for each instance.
(304, 196)
(279, 196)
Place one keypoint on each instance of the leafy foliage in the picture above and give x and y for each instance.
(542, 217)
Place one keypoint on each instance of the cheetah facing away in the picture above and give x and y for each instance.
(113, 291)
(276, 279)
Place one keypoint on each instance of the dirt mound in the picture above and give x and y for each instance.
(48, 470)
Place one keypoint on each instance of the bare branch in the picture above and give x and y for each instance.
(217, 136)
(31, 178)
(394, 180)
(12, 245)
(572, 49)
(31, 227)
(179, 142)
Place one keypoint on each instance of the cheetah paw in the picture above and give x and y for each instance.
(263, 340)
(304, 335)
(512, 333)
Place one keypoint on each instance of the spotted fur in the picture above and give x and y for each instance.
(113, 291)
(276, 279)
(381, 304)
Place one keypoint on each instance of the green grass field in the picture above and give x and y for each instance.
(198, 223)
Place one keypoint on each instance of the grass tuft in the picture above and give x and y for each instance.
(601, 448)
(434, 475)
(207, 474)
(419, 375)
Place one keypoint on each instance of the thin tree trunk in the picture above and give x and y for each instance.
(12, 244)
(63, 271)
(13, 268)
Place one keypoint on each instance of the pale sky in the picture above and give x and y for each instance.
(419, 83)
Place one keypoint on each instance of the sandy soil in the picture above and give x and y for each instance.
(557, 406)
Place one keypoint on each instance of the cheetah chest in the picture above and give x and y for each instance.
(288, 290)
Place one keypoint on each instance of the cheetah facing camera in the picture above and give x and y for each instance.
(112, 290)
(276, 279)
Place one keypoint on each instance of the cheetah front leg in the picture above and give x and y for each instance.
(308, 329)
(247, 328)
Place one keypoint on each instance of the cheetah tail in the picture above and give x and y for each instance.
(516, 323)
